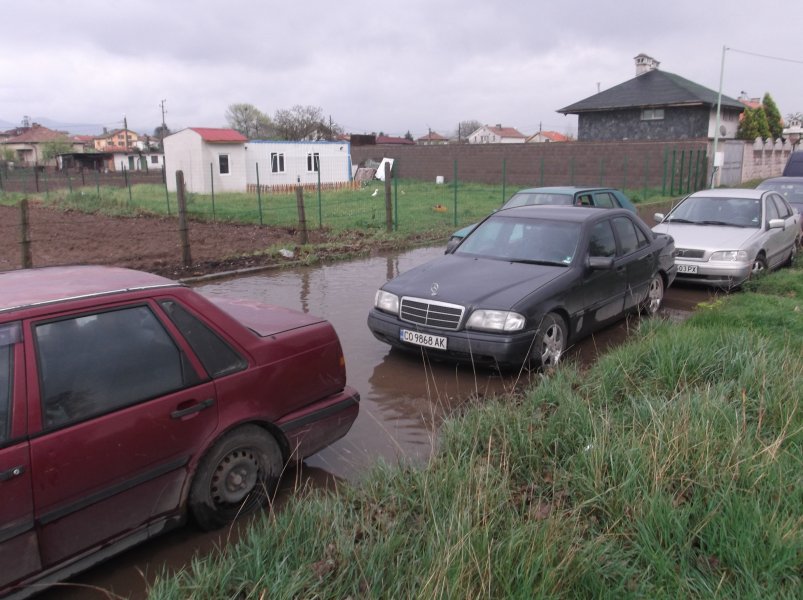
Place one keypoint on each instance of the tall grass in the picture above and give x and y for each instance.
(670, 469)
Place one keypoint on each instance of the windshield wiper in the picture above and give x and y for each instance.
(721, 223)
(679, 220)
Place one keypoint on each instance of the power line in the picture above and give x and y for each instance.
(791, 60)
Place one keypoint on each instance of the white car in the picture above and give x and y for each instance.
(724, 236)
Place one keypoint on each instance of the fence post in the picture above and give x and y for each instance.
(454, 180)
(680, 175)
(212, 182)
(128, 185)
(663, 182)
(320, 206)
(259, 197)
(183, 232)
(672, 172)
(541, 179)
(395, 202)
(302, 217)
(167, 192)
(97, 183)
(388, 201)
(504, 179)
(25, 235)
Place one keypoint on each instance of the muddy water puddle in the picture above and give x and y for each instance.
(405, 397)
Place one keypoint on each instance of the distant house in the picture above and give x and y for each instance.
(117, 138)
(29, 145)
(543, 137)
(132, 159)
(387, 139)
(654, 105)
(496, 135)
(210, 158)
(432, 139)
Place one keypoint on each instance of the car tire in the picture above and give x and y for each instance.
(655, 296)
(759, 266)
(792, 254)
(236, 477)
(550, 341)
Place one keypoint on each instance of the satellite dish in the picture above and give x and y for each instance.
(722, 130)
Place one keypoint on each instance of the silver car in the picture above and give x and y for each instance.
(723, 236)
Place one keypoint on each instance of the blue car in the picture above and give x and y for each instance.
(556, 196)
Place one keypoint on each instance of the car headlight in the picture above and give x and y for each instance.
(495, 320)
(730, 256)
(387, 302)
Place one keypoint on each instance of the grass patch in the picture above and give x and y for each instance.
(672, 468)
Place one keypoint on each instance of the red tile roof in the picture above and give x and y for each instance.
(37, 135)
(219, 136)
(386, 139)
(552, 136)
(433, 137)
(506, 132)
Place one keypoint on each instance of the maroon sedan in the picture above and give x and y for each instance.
(129, 402)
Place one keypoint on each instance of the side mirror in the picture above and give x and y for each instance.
(600, 263)
(659, 217)
(777, 224)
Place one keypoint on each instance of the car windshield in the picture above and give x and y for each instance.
(537, 198)
(517, 239)
(705, 210)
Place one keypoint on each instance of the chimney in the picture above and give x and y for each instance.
(645, 64)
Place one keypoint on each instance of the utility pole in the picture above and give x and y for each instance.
(125, 130)
(162, 105)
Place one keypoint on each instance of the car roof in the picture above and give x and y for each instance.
(563, 189)
(31, 287)
(561, 213)
(789, 179)
(730, 193)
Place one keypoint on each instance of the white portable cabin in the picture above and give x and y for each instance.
(292, 163)
(210, 159)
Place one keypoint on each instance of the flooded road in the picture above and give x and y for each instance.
(404, 399)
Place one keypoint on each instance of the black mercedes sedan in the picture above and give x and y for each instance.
(524, 284)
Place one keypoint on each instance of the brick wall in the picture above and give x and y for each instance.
(614, 164)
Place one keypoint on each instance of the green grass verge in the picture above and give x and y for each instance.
(670, 469)
(416, 205)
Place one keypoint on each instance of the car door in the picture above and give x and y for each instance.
(19, 550)
(120, 409)
(635, 257)
(780, 241)
(604, 200)
(604, 289)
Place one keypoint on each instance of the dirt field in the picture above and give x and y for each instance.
(146, 243)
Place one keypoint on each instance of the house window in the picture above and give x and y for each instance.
(154, 160)
(313, 162)
(277, 162)
(223, 159)
(652, 114)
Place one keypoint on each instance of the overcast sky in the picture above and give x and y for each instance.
(411, 65)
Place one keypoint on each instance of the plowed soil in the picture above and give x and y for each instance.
(146, 243)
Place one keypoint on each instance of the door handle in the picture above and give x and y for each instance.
(11, 473)
(196, 408)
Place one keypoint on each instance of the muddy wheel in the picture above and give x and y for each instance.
(236, 477)
(655, 296)
(759, 266)
(550, 343)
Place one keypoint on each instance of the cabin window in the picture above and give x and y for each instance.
(277, 162)
(223, 160)
(313, 162)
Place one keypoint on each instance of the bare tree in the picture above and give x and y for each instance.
(303, 123)
(466, 128)
(249, 120)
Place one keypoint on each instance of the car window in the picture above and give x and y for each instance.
(584, 200)
(772, 211)
(784, 212)
(95, 363)
(523, 239)
(641, 238)
(538, 198)
(217, 357)
(9, 335)
(604, 199)
(626, 232)
(602, 242)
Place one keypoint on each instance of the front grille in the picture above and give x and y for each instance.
(431, 313)
(689, 253)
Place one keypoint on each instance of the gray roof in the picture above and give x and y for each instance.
(652, 89)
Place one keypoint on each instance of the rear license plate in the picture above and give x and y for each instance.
(423, 339)
(687, 268)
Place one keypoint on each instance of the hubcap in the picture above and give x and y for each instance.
(552, 346)
(655, 296)
(235, 477)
